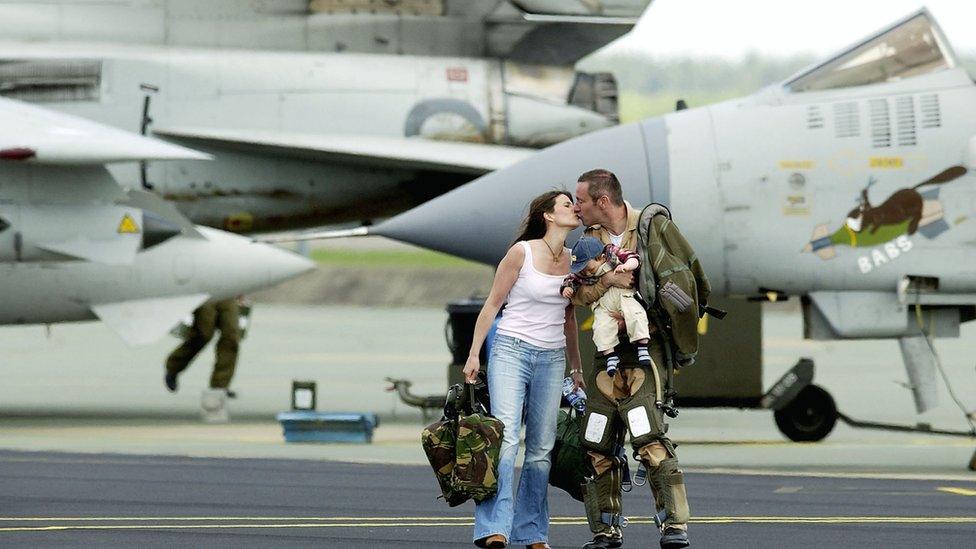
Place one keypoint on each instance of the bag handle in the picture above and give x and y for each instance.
(453, 402)
(476, 405)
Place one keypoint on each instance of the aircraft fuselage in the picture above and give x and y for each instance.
(752, 180)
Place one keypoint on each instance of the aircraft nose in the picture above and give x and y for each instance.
(282, 264)
(235, 264)
(479, 220)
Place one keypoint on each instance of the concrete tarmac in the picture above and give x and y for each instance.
(80, 389)
(84, 369)
(74, 500)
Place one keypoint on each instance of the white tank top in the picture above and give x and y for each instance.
(536, 311)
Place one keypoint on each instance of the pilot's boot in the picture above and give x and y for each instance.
(674, 538)
(604, 541)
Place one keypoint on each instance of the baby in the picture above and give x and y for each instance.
(591, 260)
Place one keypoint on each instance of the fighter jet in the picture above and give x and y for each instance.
(850, 185)
(337, 111)
(74, 245)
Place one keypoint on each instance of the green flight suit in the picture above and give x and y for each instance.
(625, 403)
(222, 315)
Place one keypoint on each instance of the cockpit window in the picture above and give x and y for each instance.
(912, 47)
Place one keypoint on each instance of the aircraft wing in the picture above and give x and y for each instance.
(40, 136)
(388, 152)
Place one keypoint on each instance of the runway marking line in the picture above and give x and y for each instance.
(957, 491)
(400, 522)
(194, 461)
(827, 474)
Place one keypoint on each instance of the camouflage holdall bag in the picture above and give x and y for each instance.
(463, 448)
(569, 464)
(439, 440)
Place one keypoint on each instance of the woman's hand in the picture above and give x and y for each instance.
(471, 369)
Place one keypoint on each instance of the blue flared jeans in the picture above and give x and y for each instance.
(524, 381)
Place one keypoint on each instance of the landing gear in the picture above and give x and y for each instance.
(804, 412)
(809, 417)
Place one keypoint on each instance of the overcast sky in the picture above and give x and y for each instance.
(731, 28)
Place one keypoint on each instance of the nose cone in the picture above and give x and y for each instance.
(478, 221)
(282, 264)
(246, 265)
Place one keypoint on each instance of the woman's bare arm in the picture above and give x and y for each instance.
(505, 277)
(571, 330)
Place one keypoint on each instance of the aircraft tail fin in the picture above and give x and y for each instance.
(145, 321)
(166, 211)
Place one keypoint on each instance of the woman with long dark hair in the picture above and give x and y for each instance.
(535, 337)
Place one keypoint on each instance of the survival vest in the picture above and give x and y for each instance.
(671, 280)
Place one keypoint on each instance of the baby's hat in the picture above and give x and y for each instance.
(585, 249)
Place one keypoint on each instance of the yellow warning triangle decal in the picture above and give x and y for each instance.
(128, 225)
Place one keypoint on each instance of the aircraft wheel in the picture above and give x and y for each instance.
(809, 417)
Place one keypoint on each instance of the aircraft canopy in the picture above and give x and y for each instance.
(909, 48)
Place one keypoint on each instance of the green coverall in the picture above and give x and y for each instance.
(222, 315)
(625, 403)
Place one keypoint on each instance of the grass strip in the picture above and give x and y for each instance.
(392, 258)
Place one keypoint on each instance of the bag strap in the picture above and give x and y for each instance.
(476, 406)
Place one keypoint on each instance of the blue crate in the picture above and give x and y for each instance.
(312, 426)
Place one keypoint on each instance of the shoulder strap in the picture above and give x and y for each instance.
(646, 280)
(527, 260)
